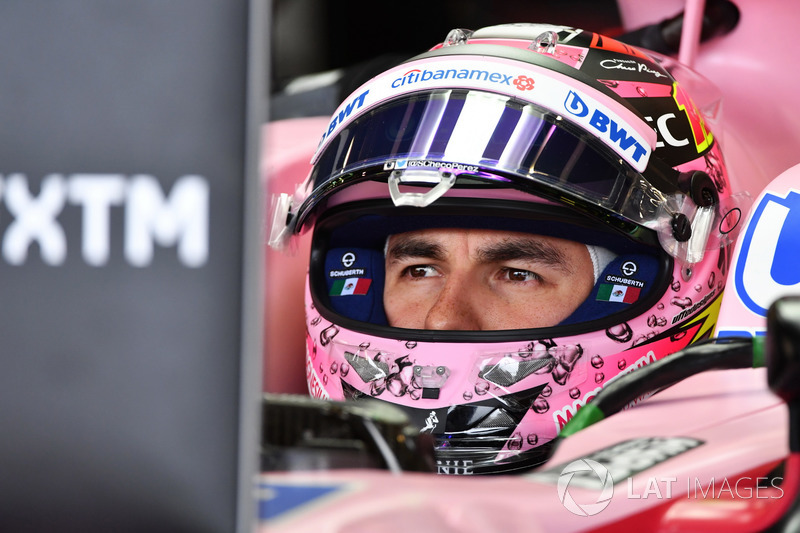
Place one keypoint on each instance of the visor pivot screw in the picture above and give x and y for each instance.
(708, 198)
(681, 227)
(441, 370)
(700, 188)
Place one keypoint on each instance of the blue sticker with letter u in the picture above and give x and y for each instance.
(277, 499)
(769, 260)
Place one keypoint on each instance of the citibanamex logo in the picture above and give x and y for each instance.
(585, 468)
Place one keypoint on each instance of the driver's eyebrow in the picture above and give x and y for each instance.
(411, 247)
(526, 249)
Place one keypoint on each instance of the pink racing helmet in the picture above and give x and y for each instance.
(529, 128)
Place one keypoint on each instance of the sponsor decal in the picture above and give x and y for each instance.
(625, 281)
(524, 83)
(179, 218)
(620, 131)
(414, 76)
(694, 307)
(770, 252)
(630, 65)
(606, 127)
(349, 273)
(565, 414)
(344, 112)
(629, 268)
(430, 423)
(601, 42)
(623, 460)
(277, 499)
(702, 137)
(701, 326)
(348, 259)
(315, 386)
(665, 133)
(400, 164)
(749, 332)
(454, 467)
(617, 293)
(350, 287)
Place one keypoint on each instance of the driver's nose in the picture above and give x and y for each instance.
(456, 307)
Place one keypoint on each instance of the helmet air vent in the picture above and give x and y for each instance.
(457, 36)
(545, 43)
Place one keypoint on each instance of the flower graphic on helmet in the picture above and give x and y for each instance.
(524, 83)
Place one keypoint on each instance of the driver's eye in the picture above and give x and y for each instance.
(513, 274)
(420, 271)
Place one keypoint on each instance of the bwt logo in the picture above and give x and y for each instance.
(605, 126)
(179, 219)
(767, 266)
(339, 118)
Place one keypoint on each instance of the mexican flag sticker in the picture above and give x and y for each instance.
(617, 293)
(349, 286)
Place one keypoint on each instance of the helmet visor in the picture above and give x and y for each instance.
(475, 132)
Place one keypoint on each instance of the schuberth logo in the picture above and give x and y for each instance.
(348, 259)
(629, 268)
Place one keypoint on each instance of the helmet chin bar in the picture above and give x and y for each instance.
(478, 437)
(474, 460)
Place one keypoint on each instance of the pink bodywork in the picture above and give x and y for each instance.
(742, 424)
